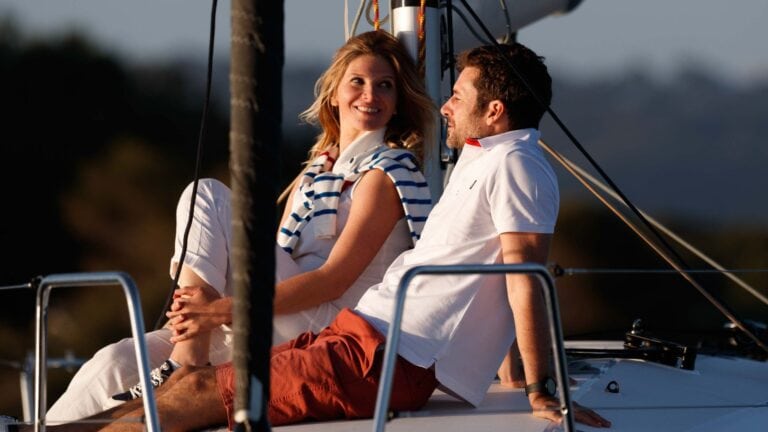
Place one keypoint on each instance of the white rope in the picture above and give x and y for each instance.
(347, 32)
(704, 257)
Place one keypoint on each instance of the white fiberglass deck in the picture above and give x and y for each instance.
(721, 394)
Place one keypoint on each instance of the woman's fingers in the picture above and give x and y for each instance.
(186, 291)
(173, 314)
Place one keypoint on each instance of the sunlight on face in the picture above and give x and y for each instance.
(464, 120)
(366, 97)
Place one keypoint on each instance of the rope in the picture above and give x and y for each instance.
(666, 251)
(664, 254)
(349, 32)
(376, 21)
(604, 271)
(372, 21)
(587, 181)
(199, 156)
(422, 37)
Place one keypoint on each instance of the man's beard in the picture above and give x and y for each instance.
(453, 141)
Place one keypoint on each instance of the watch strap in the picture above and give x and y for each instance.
(545, 386)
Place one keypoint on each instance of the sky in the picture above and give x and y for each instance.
(599, 37)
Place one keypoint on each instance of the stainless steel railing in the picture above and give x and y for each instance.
(553, 316)
(137, 328)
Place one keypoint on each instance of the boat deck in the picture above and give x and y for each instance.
(721, 394)
(502, 407)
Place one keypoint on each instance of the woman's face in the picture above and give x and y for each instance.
(366, 97)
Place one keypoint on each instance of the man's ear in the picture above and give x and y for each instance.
(495, 113)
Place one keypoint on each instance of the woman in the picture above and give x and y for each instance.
(360, 201)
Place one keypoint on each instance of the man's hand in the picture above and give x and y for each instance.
(548, 407)
(196, 310)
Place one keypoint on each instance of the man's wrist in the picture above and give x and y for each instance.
(545, 386)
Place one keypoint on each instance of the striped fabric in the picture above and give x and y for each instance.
(321, 188)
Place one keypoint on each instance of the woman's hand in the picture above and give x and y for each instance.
(548, 407)
(197, 310)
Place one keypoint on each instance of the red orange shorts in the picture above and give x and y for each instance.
(332, 375)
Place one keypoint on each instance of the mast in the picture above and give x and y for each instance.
(256, 64)
(405, 26)
(439, 159)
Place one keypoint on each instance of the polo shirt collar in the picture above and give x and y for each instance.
(513, 136)
(362, 147)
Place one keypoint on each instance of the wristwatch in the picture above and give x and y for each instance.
(546, 386)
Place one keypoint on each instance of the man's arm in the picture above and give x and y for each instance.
(511, 370)
(527, 304)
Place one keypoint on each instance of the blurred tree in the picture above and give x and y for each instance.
(95, 156)
(95, 152)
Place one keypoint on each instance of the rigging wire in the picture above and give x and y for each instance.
(18, 286)
(451, 61)
(509, 36)
(198, 160)
(582, 176)
(348, 33)
(679, 261)
(469, 26)
(582, 271)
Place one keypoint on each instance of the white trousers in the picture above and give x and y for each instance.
(113, 369)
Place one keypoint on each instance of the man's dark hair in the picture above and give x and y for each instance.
(497, 81)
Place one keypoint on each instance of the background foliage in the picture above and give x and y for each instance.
(95, 151)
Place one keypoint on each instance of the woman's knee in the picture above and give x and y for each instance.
(116, 352)
(122, 352)
(207, 188)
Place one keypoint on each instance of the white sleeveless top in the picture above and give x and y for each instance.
(311, 252)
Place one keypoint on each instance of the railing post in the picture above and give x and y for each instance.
(137, 328)
(553, 319)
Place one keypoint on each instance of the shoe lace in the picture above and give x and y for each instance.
(157, 376)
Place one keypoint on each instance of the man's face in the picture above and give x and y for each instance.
(460, 111)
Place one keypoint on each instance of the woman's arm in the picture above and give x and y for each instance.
(376, 208)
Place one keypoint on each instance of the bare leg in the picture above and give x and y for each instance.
(210, 236)
(192, 352)
(189, 401)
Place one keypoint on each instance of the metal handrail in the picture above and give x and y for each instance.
(137, 328)
(27, 378)
(553, 317)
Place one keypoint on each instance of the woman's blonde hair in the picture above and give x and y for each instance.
(411, 125)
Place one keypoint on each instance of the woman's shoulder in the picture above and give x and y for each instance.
(393, 156)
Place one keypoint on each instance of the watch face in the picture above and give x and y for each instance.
(550, 385)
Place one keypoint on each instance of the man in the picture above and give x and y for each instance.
(500, 206)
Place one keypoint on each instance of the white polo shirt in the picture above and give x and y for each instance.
(463, 324)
